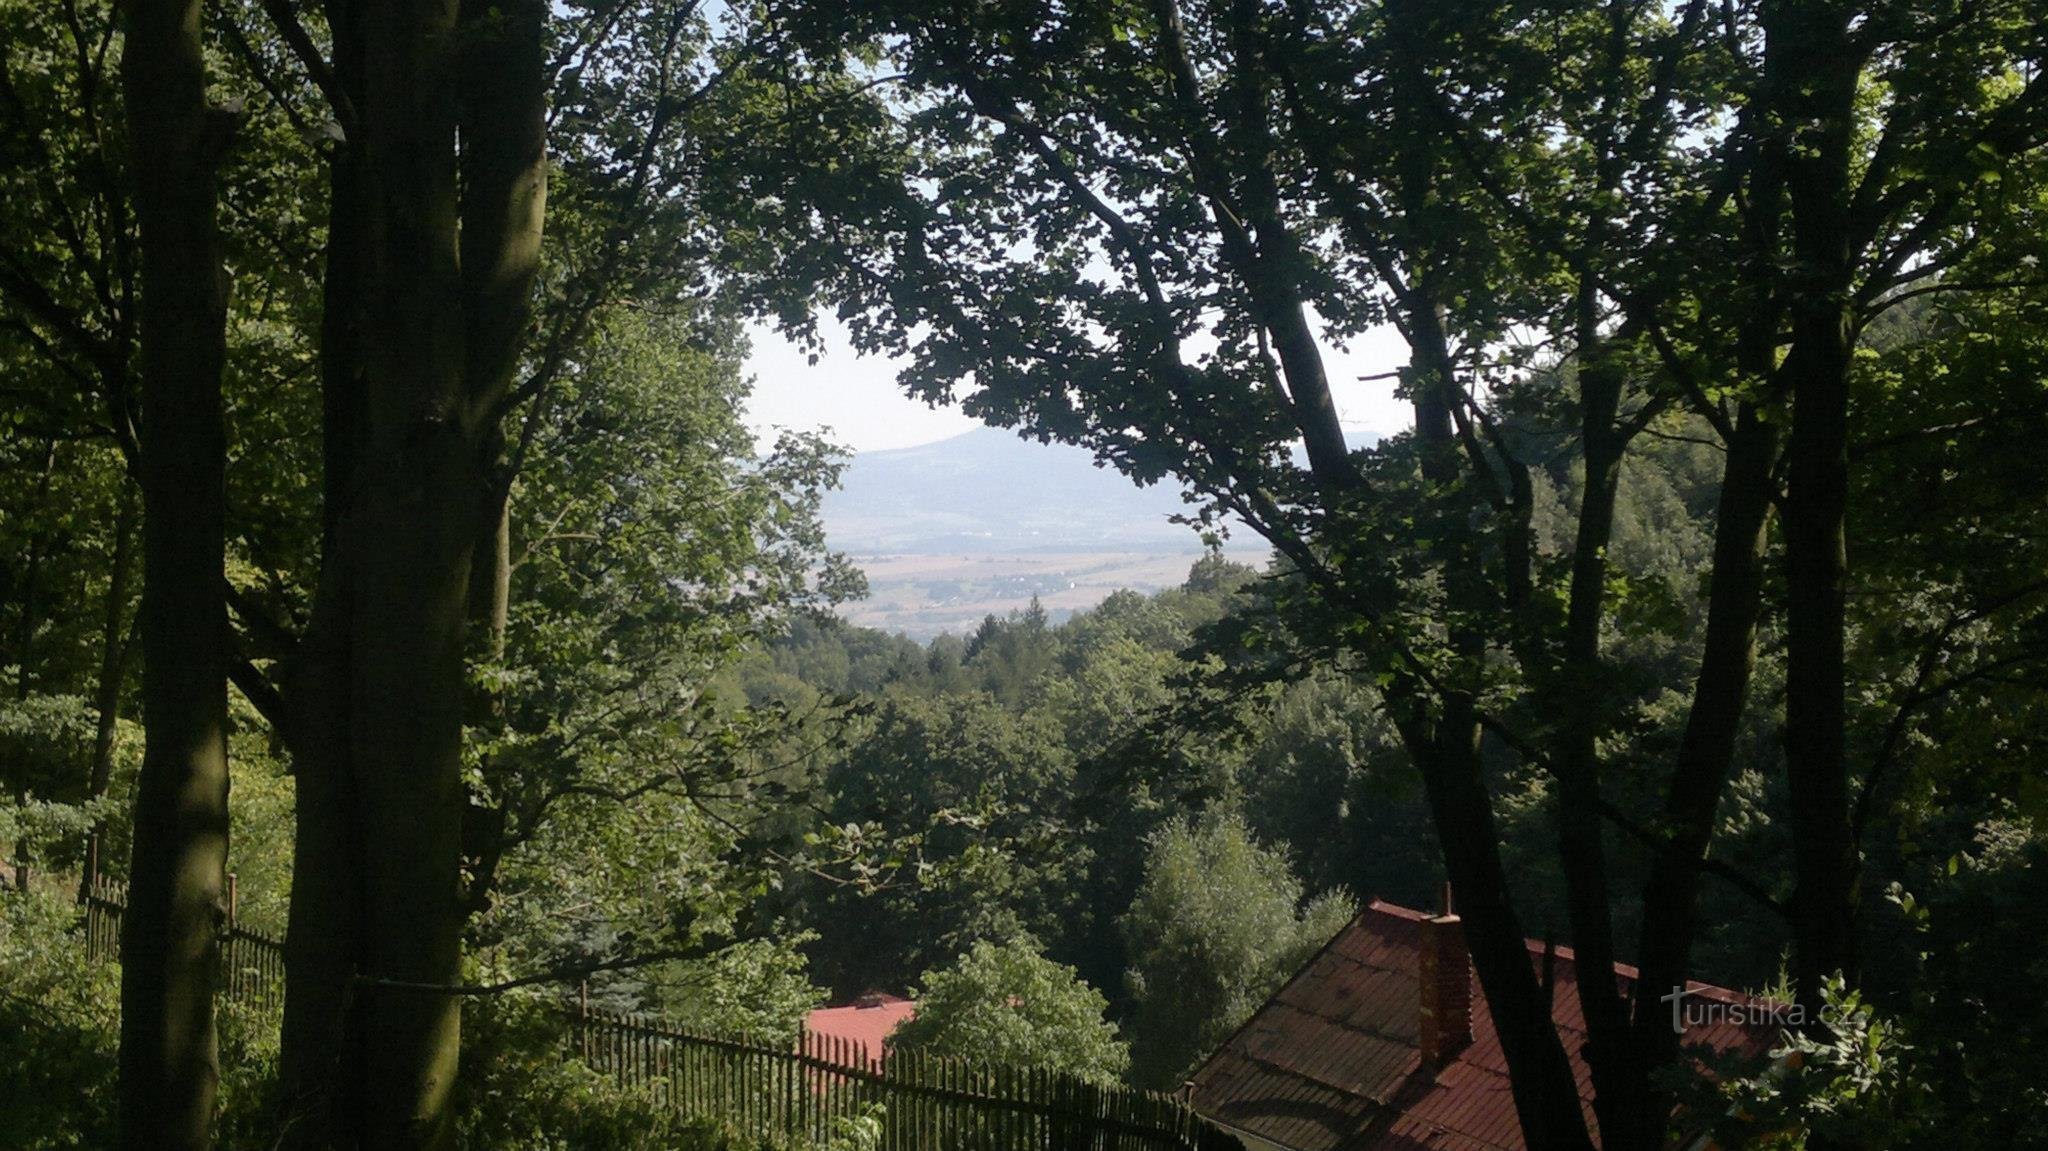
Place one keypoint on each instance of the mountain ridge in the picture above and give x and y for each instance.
(990, 490)
(986, 521)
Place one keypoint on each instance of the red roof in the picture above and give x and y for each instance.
(1330, 1062)
(862, 1024)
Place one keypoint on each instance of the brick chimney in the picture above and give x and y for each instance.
(1445, 971)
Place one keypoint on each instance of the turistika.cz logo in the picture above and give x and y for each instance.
(1689, 1010)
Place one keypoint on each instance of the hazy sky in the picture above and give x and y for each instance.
(857, 397)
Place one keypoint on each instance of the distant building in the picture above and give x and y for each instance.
(862, 1025)
(1383, 1043)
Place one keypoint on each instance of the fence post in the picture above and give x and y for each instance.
(91, 877)
(231, 900)
(583, 1020)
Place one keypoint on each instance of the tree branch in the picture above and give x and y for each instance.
(286, 21)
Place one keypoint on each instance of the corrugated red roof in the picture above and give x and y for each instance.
(865, 1022)
(1330, 1062)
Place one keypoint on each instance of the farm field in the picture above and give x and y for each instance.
(924, 595)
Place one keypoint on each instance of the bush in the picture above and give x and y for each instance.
(59, 1028)
(60, 1042)
(519, 1091)
(1010, 1004)
(60, 1031)
(1855, 1087)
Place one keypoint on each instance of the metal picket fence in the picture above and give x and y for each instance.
(251, 963)
(807, 1092)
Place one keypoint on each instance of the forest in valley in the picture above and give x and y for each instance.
(390, 574)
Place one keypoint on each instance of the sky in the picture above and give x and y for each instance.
(856, 397)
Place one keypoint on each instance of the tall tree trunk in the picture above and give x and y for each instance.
(1582, 701)
(323, 941)
(1540, 1075)
(1447, 751)
(117, 645)
(504, 177)
(1706, 750)
(504, 191)
(410, 533)
(448, 289)
(407, 646)
(1265, 256)
(428, 287)
(490, 584)
(323, 937)
(169, 958)
(1812, 70)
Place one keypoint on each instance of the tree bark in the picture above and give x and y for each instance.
(430, 273)
(1540, 1075)
(1447, 752)
(1706, 750)
(407, 548)
(323, 941)
(1582, 702)
(168, 1068)
(504, 191)
(1265, 257)
(1812, 69)
(323, 937)
(490, 581)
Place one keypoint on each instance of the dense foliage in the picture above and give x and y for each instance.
(1008, 1004)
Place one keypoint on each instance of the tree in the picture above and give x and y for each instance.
(1218, 925)
(68, 279)
(446, 343)
(969, 802)
(428, 288)
(1007, 1003)
(1103, 192)
(169, 952)
(625, 803)
(1324, 775)
(646, 102)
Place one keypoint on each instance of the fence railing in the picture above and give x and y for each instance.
(807, 1091)
(811, 1089)
(251, 963)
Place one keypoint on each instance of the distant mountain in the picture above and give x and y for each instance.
(985, 522)
(990, 491)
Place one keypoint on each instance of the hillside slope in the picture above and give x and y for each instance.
(987, 490)
(982, 522)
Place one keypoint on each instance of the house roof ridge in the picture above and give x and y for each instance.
(1566, 954)
(1398, 911)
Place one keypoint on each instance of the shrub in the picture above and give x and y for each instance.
(59, 1028)
(1010, 1004)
